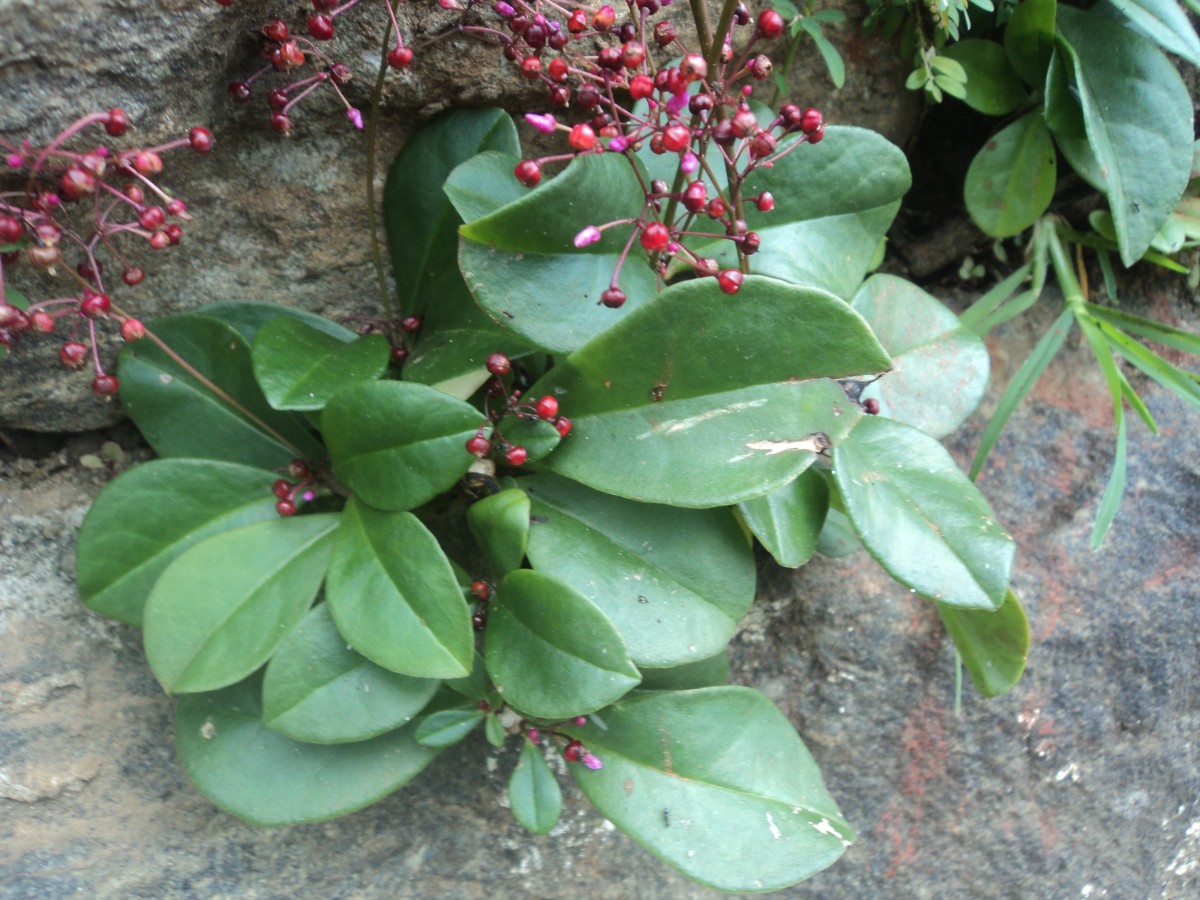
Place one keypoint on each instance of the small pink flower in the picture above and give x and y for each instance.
(619, 144)
(677, 103)
(543, 123)
(588, 235)
(14, 161)
(355, 118)
(592, 761)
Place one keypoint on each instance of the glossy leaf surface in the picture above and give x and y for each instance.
(398, 445)
(533, 792)
(394, 597)
(710, 417)
(317, 689)
(920, 517)
(500, 524)
(993, 86)
(247, 316)
(1029, 39)
(1165, 23)
(1010, 182)
(447, 727)
(716, 783)
(269, 779)
(220, 610)
(150, 515)
(939, 369)
(674, 582)
(710, 672)
(993, 644)
(550, 651)
(788, 521)
(301, 367)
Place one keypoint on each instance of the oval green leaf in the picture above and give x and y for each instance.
(1029, 39)
(710, 672)
(180, 416)
(1010, 182)
(993, 87)
(317, 689)
(993, 644)
(247, 316)
(551, 652)
(709, 418)
(920, 516)
(788, 520)
(1164, 22)
(150, 515)
(716, 783)
(220, 610)
(533, 792)
(500, 523)
(397, 444)
(674, 582)
(266, 778)
(940, 369)
(301, 367)
(447, 726)
(394, 597)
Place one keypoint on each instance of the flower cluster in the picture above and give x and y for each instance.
(64, 208)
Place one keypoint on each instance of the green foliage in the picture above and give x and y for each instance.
(329, 632)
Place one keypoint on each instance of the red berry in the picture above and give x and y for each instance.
(695, 197)
(547, 407)
(159, 241)
(811, 120)
(341, 73)
(41, 322)
(117, 122)
(578, 22)
(499, 364)
(320, 26)
(655, 237)
(105, 385)
(281, 123)
(410, 324)
(531, 67)
(517, 456)
(730, 281)
(133, 276)
(275, 30)
(12, 319)
(557, 69)
(285, 507)
(479, 446)
(765, 201)
(641, 87)
(744, 123)
(201, 140)
(573, 751)
(479, 622)
(400, 353)
(770, 24)
(613, 298)
(298, 468)
(676, 137)
(528, 172)
(72, 354)
(174, 233)
(693, 68)
(282, 489)
(871, 406)
(11, 230)
(715, 208)
(563, 425)
(815, 137)
(763, 145)
(239, 91)
(481, 589)
(582, 137)
(400, 58)
(152, 217)
(76, 182)
(633, 54)
(751, 242)
(132, 330)
(603, 18)
(95, 305)
(664, 33)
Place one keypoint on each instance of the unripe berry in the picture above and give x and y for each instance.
(298, 468)
(730, 281)
(159, 241)
(499, 364)
(763, 145)
(751, 242)
(563, 425)
(132, 330)
(399, 353)
(320, 26)
(201, 140)
(528, 172)
(281, 123)
(95, 305)
(147, 162)
(517, 456)
(341, 73)
(400, 57)
(105, 385)
(13, 319)
(479, 622)
(547, 407)
(176, 207)
(760, 67)
(770, 24)
(744, 122)
(655, 237)
(117, 122)
(72, 354)
(76, 182)
(410, 324)
(44, 257)
(613, 298)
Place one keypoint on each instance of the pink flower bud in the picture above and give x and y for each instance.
(355, 118)
(592, 761)
(543, 123)
(534, 735)
(690, 163)
(588, 235)
(581, 720)
(14, 161)
(619, 144)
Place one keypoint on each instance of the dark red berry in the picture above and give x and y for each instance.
(410, 324)
(517, 456)
(95, 305)
(563, 425)
(770, 24)
(716, 208)
(76, 182)
(400, 353)
(239, 91)
(479, 621)
(275, 30)
(613, 298)
(528, 172)
(763, 145)
(400, 57)
(815, 137)
(152, 217)
(547, 407)
(573, 751)
(282, 489)
(751, 242)
(499, 364)
(11, 229)
(730, 281)
(479, 446)
(298, 468)
(633, 54)
(132, 330)
(811, 120)
(174, 233)
(481, 589)
(871, 406)
(72, 354)
(695, 197)
(201, 140)
(664, 33)
(281, 123)
(12, 319)
(557, 69)
(105, 385)
(341, 73)
(117, 122)
(133, 275)
(765, 201)
(320, 26)
(285, 507)
(531, 67)
(744, 123)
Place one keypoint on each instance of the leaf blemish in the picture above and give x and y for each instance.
(775, 832)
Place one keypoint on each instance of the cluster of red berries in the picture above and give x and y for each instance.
(87, 202)
(288, 493)
(684, 109)
(546, 408)
(302, 59)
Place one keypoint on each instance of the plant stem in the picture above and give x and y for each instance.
(385, 295)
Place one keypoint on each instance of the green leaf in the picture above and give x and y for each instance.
(978, 311)
(825, 237)
(993, 644)
(533, 792)
(1047, 346)
(837, 536)
(993, 86)
(500, 523)
(716, 418)
(301, 367)
(524, 270)
(447, 726)
(920, 517)
(715, 783)
(393, 595)
(788, 520)
(180, 416)
(1138, 116)
(317, 689)
(474, 686)
(950, 86)
(940, 369)
(269, 779)
(550, 651)
(151, 514)
(220, 610)
(950, 67)
(246, 317)
(1010, 182)
(674, 582)
(1182, 384)
(1064, 117)
(1156, 331)
(1029, 39)
(829, 53)
(396, 444)
(1163, 22)
(711, 672)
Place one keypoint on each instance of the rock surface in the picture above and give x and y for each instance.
(1083, 782)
